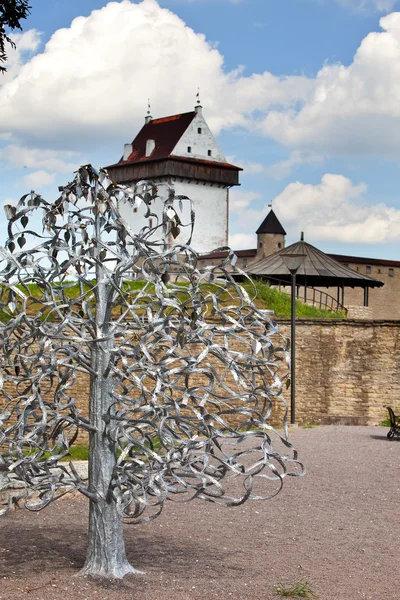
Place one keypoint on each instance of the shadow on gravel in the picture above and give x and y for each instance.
(31, 550)
(384, 437)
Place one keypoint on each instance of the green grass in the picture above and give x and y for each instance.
(311, 424)
(264, 296)
(280, 303)
(81, 452)
(299, 590)
(78, 453)
(385, 423)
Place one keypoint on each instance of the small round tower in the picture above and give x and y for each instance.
(270, 236)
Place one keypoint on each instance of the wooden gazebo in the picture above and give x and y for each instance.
(317, 270)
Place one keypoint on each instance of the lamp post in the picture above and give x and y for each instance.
(293, 262)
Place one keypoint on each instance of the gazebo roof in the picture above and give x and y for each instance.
(317, 269)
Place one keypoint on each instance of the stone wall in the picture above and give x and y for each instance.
(347, 371)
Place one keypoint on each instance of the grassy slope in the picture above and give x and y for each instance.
(266, 297)
(280, 303)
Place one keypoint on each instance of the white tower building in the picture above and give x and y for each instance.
(182, 151)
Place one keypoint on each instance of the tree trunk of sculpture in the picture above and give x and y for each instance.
(106, 549)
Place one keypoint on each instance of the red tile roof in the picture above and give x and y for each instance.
(166, 133)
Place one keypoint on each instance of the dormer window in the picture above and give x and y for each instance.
(150, 145)
(189, 149)
(199, 130)
(209, 153)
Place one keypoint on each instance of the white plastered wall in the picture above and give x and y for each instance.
(199, 143)
(210, 203)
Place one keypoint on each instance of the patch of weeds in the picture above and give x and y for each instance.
(78, 453)
(311, 424)
(385, 423)
(303, 589)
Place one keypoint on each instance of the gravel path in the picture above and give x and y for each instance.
(337, 528)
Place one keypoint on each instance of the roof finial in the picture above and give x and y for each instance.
(198, 107)
(148, 117)
(302, 236)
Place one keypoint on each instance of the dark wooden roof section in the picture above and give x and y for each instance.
(271, 224)
(161, 163)
(318, 269)
(361, 260)
(176, 168)
(223, 254)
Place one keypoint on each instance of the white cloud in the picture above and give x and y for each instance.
(354, 109)
(281, 169)
(26, 44)
(245, 217)
(100, 93)
(297, 158)
(242, 241)
(381, 5)
(38, 179)
(336, 210)
(99, 96)
(241, 199)
(34, 158)
(250, 168)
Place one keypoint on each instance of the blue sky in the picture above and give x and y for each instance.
(304, 94)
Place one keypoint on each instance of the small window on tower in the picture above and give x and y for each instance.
(209, 153)
(189, 149)
(391, 272)
(260, 245)
(279, 245)
(199, 130)
(368, 269)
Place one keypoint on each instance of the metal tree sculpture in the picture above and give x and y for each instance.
(183, 370)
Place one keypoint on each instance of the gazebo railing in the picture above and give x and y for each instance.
(312, 296)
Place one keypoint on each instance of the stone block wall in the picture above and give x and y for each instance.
(347, 371)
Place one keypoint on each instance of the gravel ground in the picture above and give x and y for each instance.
(337, 528)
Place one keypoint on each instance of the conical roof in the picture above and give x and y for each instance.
(271, 224)
(317, 269)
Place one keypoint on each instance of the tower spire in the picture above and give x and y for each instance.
(148, 117)
(198, 108)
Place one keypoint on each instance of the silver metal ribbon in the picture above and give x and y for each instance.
(195, 369)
